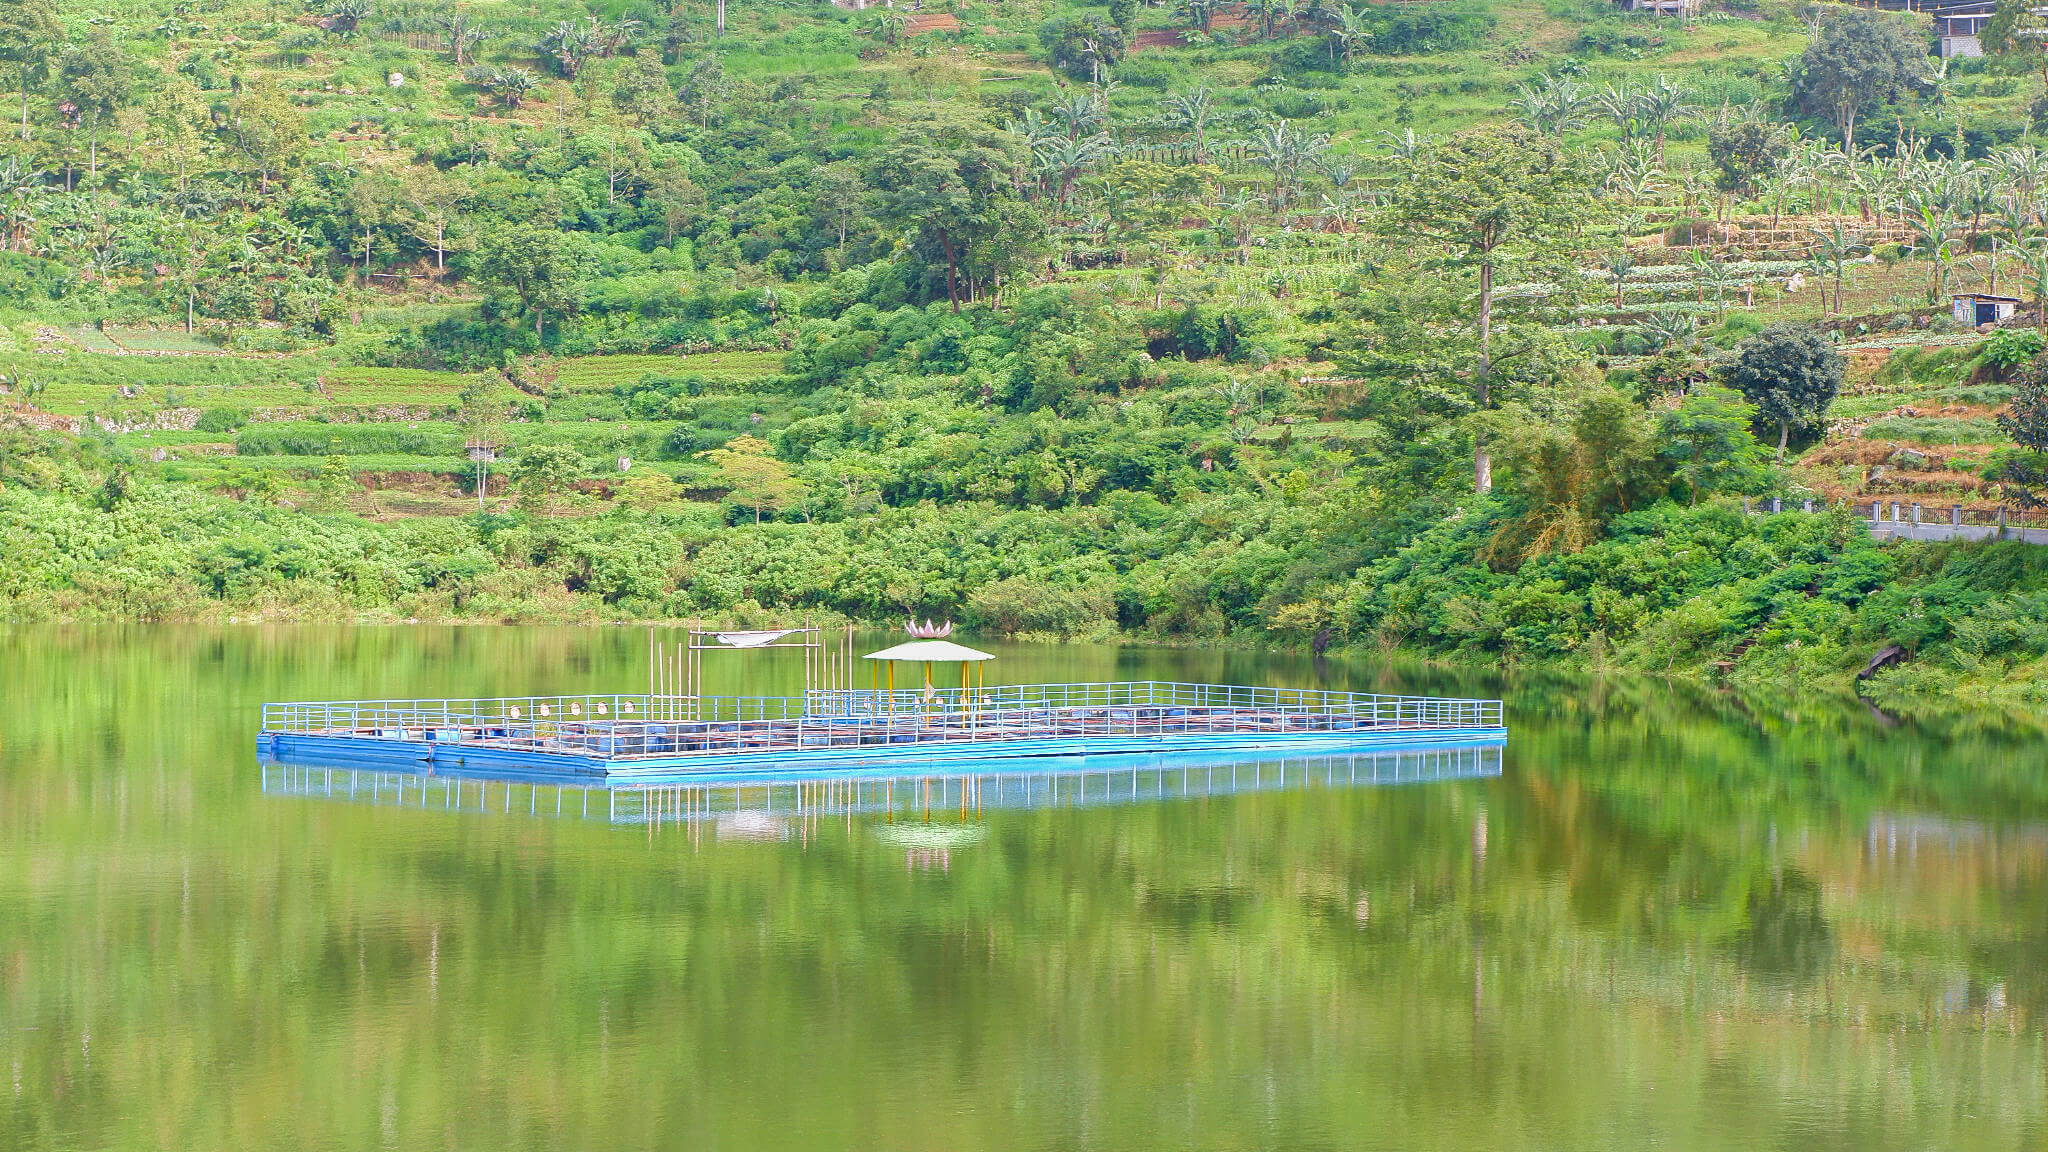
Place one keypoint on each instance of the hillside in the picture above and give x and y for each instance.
(1057, 318)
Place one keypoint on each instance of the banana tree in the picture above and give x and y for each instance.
(1833, 247)
(1931, 235)
(2032, 255)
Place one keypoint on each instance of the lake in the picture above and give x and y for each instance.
(1661, 918)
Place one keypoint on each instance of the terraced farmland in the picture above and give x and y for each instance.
(603, 373)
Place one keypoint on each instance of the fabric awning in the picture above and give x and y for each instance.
(754, 639)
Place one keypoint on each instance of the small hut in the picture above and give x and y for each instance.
(1979, 308)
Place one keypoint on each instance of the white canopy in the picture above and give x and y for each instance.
(931, 651)
(759, 639)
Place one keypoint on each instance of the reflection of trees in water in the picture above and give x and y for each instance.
(1285, 962)
(1787, 933)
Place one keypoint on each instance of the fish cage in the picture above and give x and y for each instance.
(659, 733)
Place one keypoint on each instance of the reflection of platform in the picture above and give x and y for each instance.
(753, 804)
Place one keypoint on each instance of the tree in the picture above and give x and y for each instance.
(1566, 482)
(430, 205)
(463, 34)
(509, 86)
(2015, 30)
(1707, 441)
(96, 80)
(1859, 62)
(676, 199)
(1487, 197)
(753, 477)
(946, 188)
(542, 472)
(1745, 150)
(268, 128)
(1790, 372)
(2025, 419)
(535, 263)
(29, 33)
(1081, 46)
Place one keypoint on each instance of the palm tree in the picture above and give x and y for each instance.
(1662, 106)
(1552, 105)
(1349, 35)
(1286, 152)
(1191, 112)
(2032, 253)
(1619, 264)
(1066, 160)
(1833, 247)
(510, 85)
(1931, 235)
(1270, 13)
(1078, 115)
(1196, 13)
(1665, 329)
(462, 35)
(1620, 105)
(345, 16)
(2023, 168)
(888, 24)
(1406, 146)
(1238, 215)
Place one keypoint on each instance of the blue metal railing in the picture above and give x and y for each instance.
(624, 726)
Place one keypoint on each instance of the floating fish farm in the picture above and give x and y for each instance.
(649, 734)
(675, 728)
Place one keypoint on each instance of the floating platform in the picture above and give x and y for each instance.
(662, 736)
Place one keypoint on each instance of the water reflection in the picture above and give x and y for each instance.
(762, 806)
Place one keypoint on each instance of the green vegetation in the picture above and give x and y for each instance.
(1321, 323)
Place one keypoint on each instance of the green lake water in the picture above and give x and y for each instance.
(1670, 920)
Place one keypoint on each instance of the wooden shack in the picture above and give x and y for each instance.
(1979, 308)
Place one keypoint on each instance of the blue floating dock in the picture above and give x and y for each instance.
(629, 736)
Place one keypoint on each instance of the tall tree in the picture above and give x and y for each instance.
(1859, 62)
(753, 476)
(537, 264)
(96, 79)
(1790, 372)
(1488, 197)
(946, 187)
(29, 34)
(268, 128)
